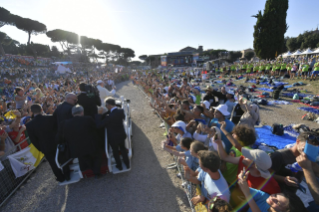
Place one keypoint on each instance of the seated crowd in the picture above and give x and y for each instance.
(213, 136)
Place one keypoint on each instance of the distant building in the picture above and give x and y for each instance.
(188, 49)
(191, 49)
(246, 51)
(187, 56)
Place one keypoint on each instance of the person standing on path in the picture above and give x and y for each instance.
(116, 135)
(42, 135)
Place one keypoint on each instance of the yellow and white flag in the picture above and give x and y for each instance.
(25, 160)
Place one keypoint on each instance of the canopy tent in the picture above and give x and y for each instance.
(288, 54)
(296, 53)
(316, 51)
(308, 51)
(62, 70)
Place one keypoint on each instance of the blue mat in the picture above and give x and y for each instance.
(309, 109)
(289, 86)
(265, 136)
(289, 130)
(269, 85)
(265, 89)
(299, 94)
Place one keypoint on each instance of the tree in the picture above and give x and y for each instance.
(127, 53)
(249, 55)
(215, 53)
(135, 63)
(4, 40)
(292, 44)
(6, 18)
(41, 50)
(30, 26)
(143, 57)
(65, 38)
(233, 56)
(55, 52)
(270, 29)
(308, 39)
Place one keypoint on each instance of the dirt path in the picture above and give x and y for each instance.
(148, 187)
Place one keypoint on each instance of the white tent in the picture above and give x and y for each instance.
(62, 70)
(308, 51)
(297, 53)
(316, 51)
(288, 54)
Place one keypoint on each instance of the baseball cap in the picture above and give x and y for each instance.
(99, 81)
(261, 158)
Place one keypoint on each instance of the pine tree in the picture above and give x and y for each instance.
(270, 29)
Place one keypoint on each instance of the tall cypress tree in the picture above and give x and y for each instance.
(270, 29)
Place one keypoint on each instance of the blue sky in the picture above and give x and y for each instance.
(155, 27)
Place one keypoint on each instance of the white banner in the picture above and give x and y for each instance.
(22, 162)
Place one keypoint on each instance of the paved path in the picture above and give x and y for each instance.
(147, 187)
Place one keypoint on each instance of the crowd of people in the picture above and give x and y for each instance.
(38, 106)
(303, 67)
(212, 132)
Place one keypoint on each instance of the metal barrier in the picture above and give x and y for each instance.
(8, 181)
(189, 188)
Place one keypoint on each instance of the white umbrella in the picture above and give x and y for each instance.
(297, 53)
(308, 51)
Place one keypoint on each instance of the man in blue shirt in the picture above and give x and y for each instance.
(220, 115)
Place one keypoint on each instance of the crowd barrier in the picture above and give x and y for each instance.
(190, 189)
(8, 181)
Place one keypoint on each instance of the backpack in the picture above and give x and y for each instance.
(277, 129)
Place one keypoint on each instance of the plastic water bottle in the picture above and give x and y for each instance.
(295, 168)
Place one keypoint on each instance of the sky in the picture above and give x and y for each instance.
(157, 27)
